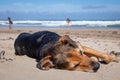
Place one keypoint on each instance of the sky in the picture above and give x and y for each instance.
(60, 9)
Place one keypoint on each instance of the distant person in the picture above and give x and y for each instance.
(10, 23)
(68, 22)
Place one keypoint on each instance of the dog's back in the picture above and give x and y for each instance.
(32, 44)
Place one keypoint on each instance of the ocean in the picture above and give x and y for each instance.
(51, 24)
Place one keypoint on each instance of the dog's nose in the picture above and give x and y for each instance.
(95, 65)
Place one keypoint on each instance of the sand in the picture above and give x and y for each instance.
(24, 68)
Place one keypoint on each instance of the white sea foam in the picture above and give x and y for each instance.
(61, 23)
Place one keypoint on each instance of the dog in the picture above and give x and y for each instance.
(60, 52)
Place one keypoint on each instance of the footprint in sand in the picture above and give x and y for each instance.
(3, 58)
(10, 38)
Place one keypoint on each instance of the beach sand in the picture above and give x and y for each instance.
(24, 68)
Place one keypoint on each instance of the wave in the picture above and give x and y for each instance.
(63, 23)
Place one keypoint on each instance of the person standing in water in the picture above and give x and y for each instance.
(10, 23)
(68, 23)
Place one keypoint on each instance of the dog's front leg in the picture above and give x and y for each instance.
(106, 57)
(45, 63)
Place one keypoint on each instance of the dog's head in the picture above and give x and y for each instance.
(67, 54)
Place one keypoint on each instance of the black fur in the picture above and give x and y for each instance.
(33, 45)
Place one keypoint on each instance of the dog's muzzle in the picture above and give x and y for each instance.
(95, 65)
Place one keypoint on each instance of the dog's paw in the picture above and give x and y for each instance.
(110, 58)
(117, 54)
(44, 65)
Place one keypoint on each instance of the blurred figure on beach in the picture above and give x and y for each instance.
(10, 22)
(68, 23)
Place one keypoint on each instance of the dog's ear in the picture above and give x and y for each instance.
(65, 40)
(45, 63)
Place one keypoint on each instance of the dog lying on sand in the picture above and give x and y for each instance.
(60, 52)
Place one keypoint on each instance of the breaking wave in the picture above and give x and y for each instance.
(37, 23)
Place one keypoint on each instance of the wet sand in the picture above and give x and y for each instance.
(22, 67)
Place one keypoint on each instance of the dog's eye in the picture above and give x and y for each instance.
(81, 52)
(77, 64)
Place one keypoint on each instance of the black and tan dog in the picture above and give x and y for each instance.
(54, 51)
